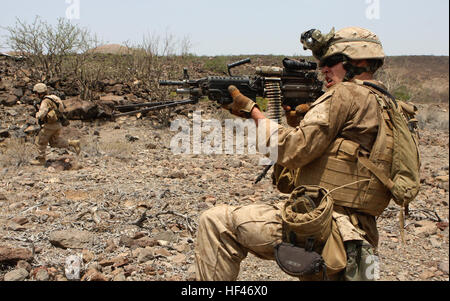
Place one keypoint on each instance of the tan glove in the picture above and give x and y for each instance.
(242, 106)
(293, 118)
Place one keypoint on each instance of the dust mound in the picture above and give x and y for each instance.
(111, 49)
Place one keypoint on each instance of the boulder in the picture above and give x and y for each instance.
(111, 100)
(77, 109)
(71, 239)
(8, 100)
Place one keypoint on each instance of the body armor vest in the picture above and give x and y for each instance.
(350, 183)
(55, 113)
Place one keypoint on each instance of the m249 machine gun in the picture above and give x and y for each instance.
(295, 84)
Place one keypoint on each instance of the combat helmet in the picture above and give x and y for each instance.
(354, 43)
(40, 88)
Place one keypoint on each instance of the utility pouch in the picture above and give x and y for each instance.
(52, 117)
(297, 262)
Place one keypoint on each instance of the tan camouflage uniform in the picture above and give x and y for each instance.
(226, 234)
(51, 129)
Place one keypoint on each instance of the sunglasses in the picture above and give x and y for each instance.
(332, 60)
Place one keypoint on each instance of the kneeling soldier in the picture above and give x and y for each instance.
(323, 151)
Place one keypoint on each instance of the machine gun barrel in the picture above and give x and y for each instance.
(171, 83)
(140, 105)
(169, 104)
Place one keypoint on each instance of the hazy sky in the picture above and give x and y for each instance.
(406, 27)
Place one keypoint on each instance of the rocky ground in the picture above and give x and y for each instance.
(129, 207)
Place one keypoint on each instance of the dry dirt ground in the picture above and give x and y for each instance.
(94, 205)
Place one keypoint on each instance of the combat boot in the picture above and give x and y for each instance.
(76, 146)
(38, 162)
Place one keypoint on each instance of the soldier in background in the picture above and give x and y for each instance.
(51, 117)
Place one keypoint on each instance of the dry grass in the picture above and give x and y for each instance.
(16, 152)
(117, 149)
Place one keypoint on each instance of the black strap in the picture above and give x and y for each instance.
(380, 89)
(55, 102)
(309, 246)
(324, 272)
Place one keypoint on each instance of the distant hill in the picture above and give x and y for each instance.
(110, 49)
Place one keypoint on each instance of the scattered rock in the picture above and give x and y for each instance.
(426, 275)
(12, 226)
(20, 220)
(150, 270)
(435, 243)
(151, 146)
(442, 178)
(111, 246)
(131, 138)
(93, 275)
(87, 255)
(162, 252)
(178, 259)
(16, 275)
(32, 129)
(177, 175)
(120, 277)
(112, 100)
(120, 261)
(71, 239)
(22, 264)
(64, 163)
(13, 255)
(127, 241)
(42, 275)
(146, 255)
(4, 133)
(425, 228)
(443, 266)
(166, 235)
(8, 100)
(146, 242)
(442, 225)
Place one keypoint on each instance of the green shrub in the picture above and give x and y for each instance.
(402, 93)
(217, 64)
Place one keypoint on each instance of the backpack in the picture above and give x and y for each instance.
(59, 114)
(404, 180)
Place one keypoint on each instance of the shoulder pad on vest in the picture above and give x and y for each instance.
(351, 90)
(322, 98)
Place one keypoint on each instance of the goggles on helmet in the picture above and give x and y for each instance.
(315, 41)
